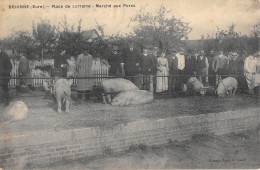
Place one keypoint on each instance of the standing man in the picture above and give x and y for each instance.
(173, 70)
(147, 66)
(132, 62)
(250, 72)
(61, 64)
(212, 79)
(190, 62)
(84, 68)
(115, 61)
(202, 66)
(234, 66)
(5, 70)
(220, 66)
(181, 66)
(154, 70)
(24, 71)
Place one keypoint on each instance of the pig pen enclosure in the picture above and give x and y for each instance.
(93, 128)
(43, 116)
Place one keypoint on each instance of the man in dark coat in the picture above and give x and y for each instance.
(5, 70)
(61, 64)
(147, 65)
(236, 67)
(189, 69)
(132, 61)
(173, 70)
(115, 61)
(202, 66)
(24, 72)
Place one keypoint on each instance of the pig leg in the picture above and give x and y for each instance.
(234, 91)
(104, 98)
(59, 105)
(67, 106)
(109, 98)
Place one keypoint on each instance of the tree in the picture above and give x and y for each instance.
(154, 28)
(45, 36)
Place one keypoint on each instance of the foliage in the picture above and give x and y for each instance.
(229, 40)
(45, 37)
(157, 29)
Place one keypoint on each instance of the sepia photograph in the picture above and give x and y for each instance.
(129, 84)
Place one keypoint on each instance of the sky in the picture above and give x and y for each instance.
(203, 15)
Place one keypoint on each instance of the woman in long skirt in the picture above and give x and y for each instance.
(162, 70)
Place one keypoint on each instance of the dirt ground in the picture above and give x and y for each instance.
(239, 150)
(43, 111)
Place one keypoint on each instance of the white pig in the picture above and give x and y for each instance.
(229, 84)
(115, 85)
(15, 111)
(62, 92)
(126, 98)
(195, 85)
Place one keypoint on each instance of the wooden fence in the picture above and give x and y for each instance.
(100, 71)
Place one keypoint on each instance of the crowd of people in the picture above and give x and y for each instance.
(174, 67)
(171, 69)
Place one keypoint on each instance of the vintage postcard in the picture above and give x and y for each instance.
(129, 84)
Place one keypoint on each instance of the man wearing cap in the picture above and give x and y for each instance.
(115, 61)
(132, 60)
(147, 65)
(181, 66)
(173, 70)
(201, 67)
(84, 68)
(5, 70)
(24, 71)
(234, 65)
(154, 57)
(220, 66)
(190, 62)
(61, 64)
(212, 78)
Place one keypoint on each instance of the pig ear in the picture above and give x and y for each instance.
(70, 81)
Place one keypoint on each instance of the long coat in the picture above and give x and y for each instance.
(84, 67)
(147, 64)
(114, 61)
(5, 67)
(131, 58)
(24, 71)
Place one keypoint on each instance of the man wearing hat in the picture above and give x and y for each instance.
(61, 63)
(24, 71)
(201, 67)
(5, 70)
(190, 63)
(235, 65)
(220, 66)
(181, 66)
(147, 65)
(155, 62)
(132, 60)
(115, 61)
(173, 69)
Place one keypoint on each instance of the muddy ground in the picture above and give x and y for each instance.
(240, 150)
(43, 111)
